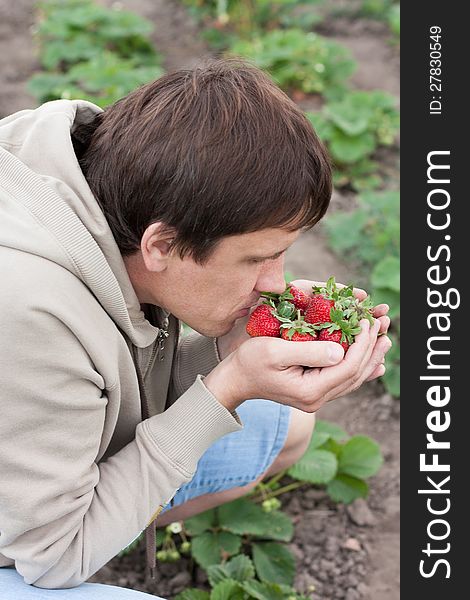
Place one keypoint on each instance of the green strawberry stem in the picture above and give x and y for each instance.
(283, 490)
(275, 479)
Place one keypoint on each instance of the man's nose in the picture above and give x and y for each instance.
(271, 278)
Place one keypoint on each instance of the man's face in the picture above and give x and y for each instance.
(211, 297)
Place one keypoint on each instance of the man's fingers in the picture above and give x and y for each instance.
(369, 348)
(380, 310)
(378, 372)
(349, 368)
(306, 285)
(377, 358)
(309, 354)
(359, 293)
(384, 324)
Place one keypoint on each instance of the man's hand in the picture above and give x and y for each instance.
(304, 375)
(379, 312)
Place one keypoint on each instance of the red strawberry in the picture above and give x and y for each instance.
(319, 309)
(335, 336)
(298, 330)
(297, 336)
(301, 299)
(263, 322)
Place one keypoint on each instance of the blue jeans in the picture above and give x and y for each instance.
(13, 587)
(234, 460)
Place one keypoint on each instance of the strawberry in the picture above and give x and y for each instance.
(319, 309)
(335, 336)
(300, 299)
(332, 314)
(298, 330)
(263, 322)
(297, 336)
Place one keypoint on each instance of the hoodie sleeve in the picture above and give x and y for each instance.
(64, 514)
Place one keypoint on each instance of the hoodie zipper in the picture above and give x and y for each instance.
(158, 347)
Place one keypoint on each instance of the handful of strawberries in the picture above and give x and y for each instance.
(332, 314)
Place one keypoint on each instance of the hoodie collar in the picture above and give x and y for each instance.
(51, 186)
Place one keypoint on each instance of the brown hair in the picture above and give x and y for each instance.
(212, 151)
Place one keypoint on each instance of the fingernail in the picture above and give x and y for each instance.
(335, 353)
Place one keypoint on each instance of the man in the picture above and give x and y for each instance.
(176, 203)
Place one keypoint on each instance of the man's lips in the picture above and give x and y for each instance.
(246, 309)
(252, 305)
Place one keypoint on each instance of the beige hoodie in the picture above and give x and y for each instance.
(81, 474)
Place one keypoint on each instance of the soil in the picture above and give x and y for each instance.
(343, 552)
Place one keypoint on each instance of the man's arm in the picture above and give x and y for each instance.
(65, 514)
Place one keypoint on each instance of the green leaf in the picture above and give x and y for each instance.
(334, 431)
(281, 529)
(318, 439)
(386, 274)
(240, 568)
(47, 86)
(201, 522)
(348, 118)
(210, 547)
(315, 466)
(296, 59)
(227, 590)
(349, 149)
(160, 536)
(217, 573)
(264, 591)
(346, 489)
(346, 230)
(242, 516)
(323, 127)
(393, 18)
(360, 457)
(192, 594)
(388, 296)
(332, 446)
(391, 379)
(274, 563)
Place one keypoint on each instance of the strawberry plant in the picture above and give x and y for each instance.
(299, 61)
(384, 10)
(225, 19)
(369, 237)
(242, 544)
(353, 128)
(91, 52)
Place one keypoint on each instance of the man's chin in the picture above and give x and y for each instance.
(216, 331)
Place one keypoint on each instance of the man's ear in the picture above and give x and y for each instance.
(155, 246)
